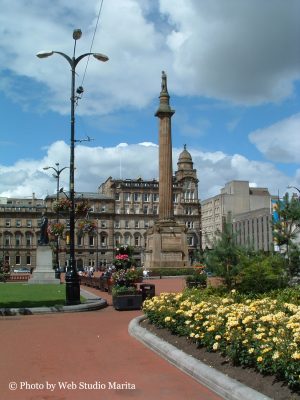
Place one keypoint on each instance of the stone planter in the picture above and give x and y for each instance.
(127, 302)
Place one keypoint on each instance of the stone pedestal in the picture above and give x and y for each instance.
(166, 246)
(44, 273)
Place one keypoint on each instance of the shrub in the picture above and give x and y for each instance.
(261, 274)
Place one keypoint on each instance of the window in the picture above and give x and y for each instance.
(103, 208)
(190, 240)
(175, 198)
(145, 209)
(79, 240)
(155, 197)
(136, 224)
(127, 196)
(126, 224)
(127, 240)
(29, 223)
(118, 210)
(155, 210)
(91, 240)
(7, 240)
(136, 209)
(18, 259)
(103, 240)
(117, 224)
(146, 197)
(189, 224)
(28, 240)
(28, 260)
(188, 211)
(7, 223)
(117, 196)
(18, 223)
(136, 196)
(18, 240)
(146, 224)
(136, 240)
(103, 224)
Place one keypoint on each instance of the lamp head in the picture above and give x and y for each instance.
(44, 54)
(100, 57)
(77, 34)
(46, 168)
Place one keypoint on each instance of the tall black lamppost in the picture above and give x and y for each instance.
(56, 176)
(294, 187)
(71, 277)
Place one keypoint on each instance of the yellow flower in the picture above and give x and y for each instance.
(259, 359)
(218, 337)
(251, 350)
(215, 346)
(296, 356)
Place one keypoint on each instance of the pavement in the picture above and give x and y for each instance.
(91, 355)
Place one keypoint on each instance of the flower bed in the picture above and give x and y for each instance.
(262, 333)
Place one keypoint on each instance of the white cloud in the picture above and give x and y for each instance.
(279, 142)
(95, 164)
(242, 51)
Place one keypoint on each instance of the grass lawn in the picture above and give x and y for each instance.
(19, 295)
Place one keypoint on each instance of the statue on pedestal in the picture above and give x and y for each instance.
(44, 238)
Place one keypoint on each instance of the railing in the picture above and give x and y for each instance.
(18, 278)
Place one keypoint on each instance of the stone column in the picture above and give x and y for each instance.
(164, 113)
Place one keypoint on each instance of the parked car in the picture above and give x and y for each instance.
(22, 270)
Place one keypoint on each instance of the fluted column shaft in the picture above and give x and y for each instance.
(165, 168)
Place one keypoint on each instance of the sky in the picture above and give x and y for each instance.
(233, 70)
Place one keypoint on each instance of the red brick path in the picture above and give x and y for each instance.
(90, 347)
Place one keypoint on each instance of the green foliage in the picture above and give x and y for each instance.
(224, 258)
(119, 290)
(261, 273)
(286, 229)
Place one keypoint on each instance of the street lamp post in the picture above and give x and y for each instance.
(71, 277)
(56, 176)
(294, 187)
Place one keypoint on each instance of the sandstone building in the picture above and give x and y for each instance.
(123, 210)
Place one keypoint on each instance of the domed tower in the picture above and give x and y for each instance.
(185, 166)
(186, 177)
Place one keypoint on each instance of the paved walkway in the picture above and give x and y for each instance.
(87, 356)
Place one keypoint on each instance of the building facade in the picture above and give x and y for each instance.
(247, 208)
(122, 211)
(19, 230)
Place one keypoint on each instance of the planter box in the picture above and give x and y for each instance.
(128, 302)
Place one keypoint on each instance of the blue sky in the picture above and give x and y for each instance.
(233, 76)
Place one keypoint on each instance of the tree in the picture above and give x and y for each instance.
(224, 258)
(286, 228)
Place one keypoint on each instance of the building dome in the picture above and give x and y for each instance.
(185, 160)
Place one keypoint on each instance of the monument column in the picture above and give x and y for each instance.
(164, 113)
(166, 245)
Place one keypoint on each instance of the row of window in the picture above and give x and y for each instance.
(18, 223)
(18, 260)
(154, 197)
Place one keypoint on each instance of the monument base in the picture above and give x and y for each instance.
(44, 273)
(166, 246)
